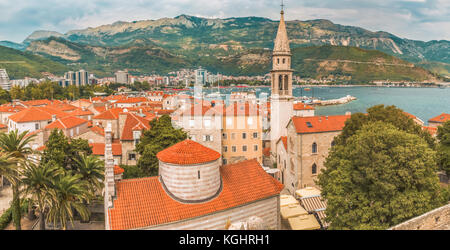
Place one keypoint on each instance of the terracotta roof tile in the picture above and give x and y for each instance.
(431, 130)
(302, 106)
(440, 118)
(66, 122)
(36, 114)
(133, 122)
(187, 152)
(110, 114)
(143, 202)
(317, 124)
(118, 170)
(98, 130)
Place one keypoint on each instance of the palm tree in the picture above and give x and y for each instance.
(37, 181)
(67, 193)
(91, 169)
(16, 144)
(8, 167)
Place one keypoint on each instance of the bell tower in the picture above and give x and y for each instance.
(281, 95)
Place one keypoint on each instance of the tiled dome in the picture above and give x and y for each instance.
(188, 152)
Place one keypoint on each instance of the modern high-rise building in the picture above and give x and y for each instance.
(4, 80)
(201, 75)
(122, 77)
(78, 78)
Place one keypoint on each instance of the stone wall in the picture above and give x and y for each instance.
(437, 219)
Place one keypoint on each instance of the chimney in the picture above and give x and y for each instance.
(53, 118)
(326, 117)
(348, 113)
(83, 108)
(110, 189)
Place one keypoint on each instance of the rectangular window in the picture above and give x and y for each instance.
(244, 148)
(36, 126)
(255, 135)
(225, 149)
(244, 136)
(224, 136)
(233, 148)
(255, 147)
(132, 156)
(233, 136)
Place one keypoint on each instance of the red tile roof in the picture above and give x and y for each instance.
(133, 122)
(81, 112)
(98, 130)
(118, 170)
(66, 122)
(317, 124)
(302, 106)
(36, 114)
(187, 152)
(2, 126)
(99, 149)
(143, 202)
(132, 100)
(440, 118)
(110, 114)
(11, 109)
(431, 130)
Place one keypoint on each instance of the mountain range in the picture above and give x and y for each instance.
(232, 45)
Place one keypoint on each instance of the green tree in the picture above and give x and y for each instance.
(17, 92)
(16, 144)
(37, 181)
(4, 96)
(65, 153)
(91, 170)
(68, 193)
(161, 136)
(443, 148)
(8, 167)
(389, 114)
(382, 176)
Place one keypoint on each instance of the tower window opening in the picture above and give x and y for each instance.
(198, 174)
(314, 169)
(284, 61)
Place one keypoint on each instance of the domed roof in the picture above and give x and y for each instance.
(187, 152)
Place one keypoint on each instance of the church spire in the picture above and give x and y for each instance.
(281, 45)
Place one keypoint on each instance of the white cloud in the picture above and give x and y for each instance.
(414, 19)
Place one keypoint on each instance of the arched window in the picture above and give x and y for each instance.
(286, 82)
(284, 61)
(280, 82)
(278, 61)
(314, 169)
(314, 148)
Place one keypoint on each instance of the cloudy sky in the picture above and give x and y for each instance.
(414, 19)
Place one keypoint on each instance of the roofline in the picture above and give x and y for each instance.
(197, 217)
